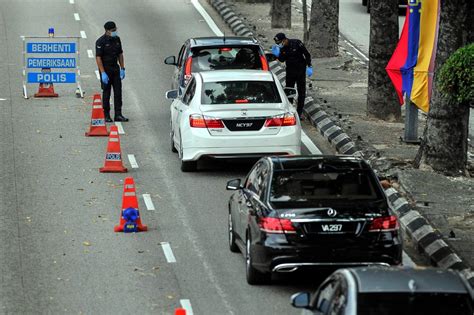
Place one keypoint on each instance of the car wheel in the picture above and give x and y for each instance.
(364, 2)
(173, 148)
(368, 6)
(253, 275)
(232, 245)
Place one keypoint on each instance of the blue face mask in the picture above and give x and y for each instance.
(114, 34)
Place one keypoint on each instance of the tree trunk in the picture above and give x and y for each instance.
(382, 100)
(281, 13)
(324, 28)
(305, 21)
(444, 145)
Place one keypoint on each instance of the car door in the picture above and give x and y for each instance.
(182, 106)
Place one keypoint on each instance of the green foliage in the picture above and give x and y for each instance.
(456, 77)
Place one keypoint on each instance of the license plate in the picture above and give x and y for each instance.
(331, 228)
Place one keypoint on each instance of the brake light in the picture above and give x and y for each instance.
(384, 224)
(288, 119)
(226, 49)
(187, 69)
(198, 121)
(264, 62)
(277, 226)
(241, 101)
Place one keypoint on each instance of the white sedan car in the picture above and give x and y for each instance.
(233, 114)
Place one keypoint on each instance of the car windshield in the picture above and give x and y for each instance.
(219, 58)
(417, 304)
(232, 92)
(308, 188)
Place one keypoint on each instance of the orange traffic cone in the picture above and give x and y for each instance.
(46, 90)
(180, 311)
(113, 156)
(130, 220)
(97, 127)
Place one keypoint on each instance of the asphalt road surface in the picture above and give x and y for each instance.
(58, 251)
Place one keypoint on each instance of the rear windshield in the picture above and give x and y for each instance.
(232, 92)
(418, 304)
(205, 59)
(306, 188)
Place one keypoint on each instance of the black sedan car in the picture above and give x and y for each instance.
(311, 211)
(215, 53)
(389, 291)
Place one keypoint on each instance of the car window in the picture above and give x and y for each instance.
(393, 303)
(338, 302)
(232, 92)
(307, 187)
(181, 56)
(262, 180)
(252, 182)
(190, 91)
(325, 295)
(219, 58)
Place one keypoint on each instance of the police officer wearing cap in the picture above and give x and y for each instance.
(298, 65)
(109, 58)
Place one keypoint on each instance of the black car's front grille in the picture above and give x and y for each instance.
(244, 124)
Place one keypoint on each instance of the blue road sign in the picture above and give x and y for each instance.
(52, 77)
(51, 63)
(51, 48)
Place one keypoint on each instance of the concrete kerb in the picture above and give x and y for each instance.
(428, 240)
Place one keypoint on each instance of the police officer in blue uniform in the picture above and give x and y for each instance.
(298, 65)
(109, 58)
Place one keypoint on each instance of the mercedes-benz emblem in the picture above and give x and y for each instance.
(244, 112)
(331, 212)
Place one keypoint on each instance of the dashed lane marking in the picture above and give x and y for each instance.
(168, 252)
(120, 128)
(133, 161)
(186, 304)
(148, 202)
(83, 34)
(97, 74)
(71, 1)
(90, 53)
(3, 99)
(77, 17)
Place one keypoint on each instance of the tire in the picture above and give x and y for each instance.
(364, 2)
(188, 166)
(253, 275)
(368, 6)
(173, 148)
(232, 245)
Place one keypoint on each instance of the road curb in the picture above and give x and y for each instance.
(428, 240)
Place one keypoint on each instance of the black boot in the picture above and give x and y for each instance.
(107, 118)
(120, 117)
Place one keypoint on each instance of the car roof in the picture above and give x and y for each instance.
(309, 161)
(219, 41)
(236, 75)
(409, 280)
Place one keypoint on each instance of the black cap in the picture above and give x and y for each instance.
(109, 25)
(279, 37)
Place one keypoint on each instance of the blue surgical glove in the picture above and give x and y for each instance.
(122, 73)
(309, 71)
(276, 50)
(105, 78)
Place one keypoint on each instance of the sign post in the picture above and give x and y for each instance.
(51, 60)
(411, 123)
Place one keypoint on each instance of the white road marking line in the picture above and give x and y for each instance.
(97, 74)
(71, 1)
(407, 261)
(313, 149)
(90, 54)
(133, 161)
(358, 51)
(207, 18)
(83, 34)
(120, 128)
(148, 202)
(77, 17)
(168, 252)
(3, 99)
(186, 304)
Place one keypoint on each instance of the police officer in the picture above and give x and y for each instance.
(298, 63)
(109, 58)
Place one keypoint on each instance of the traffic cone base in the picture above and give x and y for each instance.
(47, 91)
(113, 156)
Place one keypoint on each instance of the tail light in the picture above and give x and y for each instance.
(277, 226)
(187, 69)
(288, 119)
(384, 224)
(264, 62)
(199, 121)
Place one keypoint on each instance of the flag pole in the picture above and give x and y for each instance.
(411, 122)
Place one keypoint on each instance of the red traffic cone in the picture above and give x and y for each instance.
(130, 220)
(46, 90)
(180, 311)
(97, 127)
(113, 156)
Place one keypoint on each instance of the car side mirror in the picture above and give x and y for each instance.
(171, 60)
(270, 57)
(290, 93)
(233, 184)
(172, 94)
(300, 300)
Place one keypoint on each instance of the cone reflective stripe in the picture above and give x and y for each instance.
(97, 126)
(113, 156)
(130, 205)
